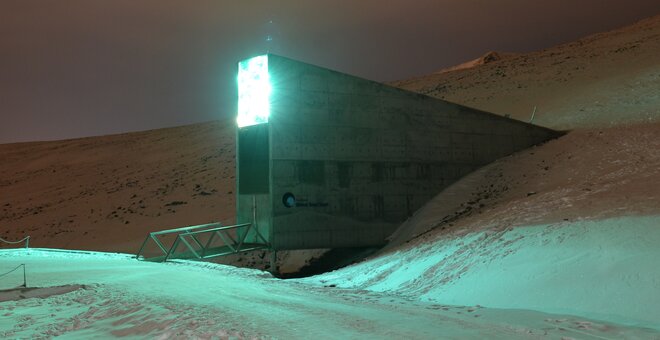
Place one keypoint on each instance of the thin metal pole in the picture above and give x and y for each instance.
(254, 210)
(142, 247)
(273, 262)
(208, 243)
(533, 112)
(254, 219)
(24, 277)
(185, 242)
(173, 248)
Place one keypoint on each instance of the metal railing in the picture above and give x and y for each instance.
(204, 241)
(13, 270)
(26, 239)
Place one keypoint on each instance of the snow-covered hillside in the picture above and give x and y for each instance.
(119, 296)
(605, 270)
(560, 240)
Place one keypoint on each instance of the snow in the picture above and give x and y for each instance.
(605, 269)
(560, 240)
(120, 296)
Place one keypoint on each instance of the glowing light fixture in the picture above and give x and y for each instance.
(253, 91)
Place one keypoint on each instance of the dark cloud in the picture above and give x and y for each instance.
(72, 68)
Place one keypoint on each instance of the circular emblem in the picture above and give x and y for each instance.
(289, 200)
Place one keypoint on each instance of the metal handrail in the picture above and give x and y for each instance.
(218, 229)
(176, 230)
(26, 239)
(152, 235)
(13, 270)
(237, 247)
(186, 235)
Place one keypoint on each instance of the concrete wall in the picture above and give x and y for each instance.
(360, 156)
(253, 180)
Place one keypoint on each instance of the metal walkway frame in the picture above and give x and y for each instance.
(219, 242)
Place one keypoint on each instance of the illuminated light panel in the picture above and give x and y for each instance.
(253, 91)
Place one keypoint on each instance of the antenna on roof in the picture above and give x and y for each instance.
(272, 36)
(269, 36)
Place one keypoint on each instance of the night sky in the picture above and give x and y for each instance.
(72, 68)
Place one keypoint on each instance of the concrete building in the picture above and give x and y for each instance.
(328, 160)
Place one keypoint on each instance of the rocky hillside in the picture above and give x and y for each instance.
(106, 193)
(602, 80)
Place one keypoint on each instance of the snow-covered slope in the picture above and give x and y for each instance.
(122, 297)
(569, 227)
(584, 175)
(605, 270)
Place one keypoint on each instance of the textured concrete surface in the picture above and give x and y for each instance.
(360, 157)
